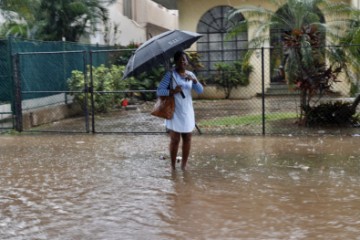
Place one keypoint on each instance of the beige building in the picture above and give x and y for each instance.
(208, 18)
(135, 21)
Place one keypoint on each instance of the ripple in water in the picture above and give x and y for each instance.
(118, 187)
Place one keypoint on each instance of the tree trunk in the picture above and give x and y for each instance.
(303, 101)
(355, 104)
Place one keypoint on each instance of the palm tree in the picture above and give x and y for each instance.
(69, 19)
(352, 39)
(311, 64)
(23, 7)
(53, 20)
(19, 16)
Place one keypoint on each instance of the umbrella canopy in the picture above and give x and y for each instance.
(158, 50)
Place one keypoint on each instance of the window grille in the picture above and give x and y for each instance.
(214, 46)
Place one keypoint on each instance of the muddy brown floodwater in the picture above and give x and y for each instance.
(120, 187)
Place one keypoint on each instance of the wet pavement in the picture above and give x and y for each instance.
(85, 186)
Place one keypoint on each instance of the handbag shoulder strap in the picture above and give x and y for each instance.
(171, 79)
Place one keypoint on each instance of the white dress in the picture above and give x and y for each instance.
(183, 120)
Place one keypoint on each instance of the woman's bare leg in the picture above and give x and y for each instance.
(174, 147)
(186, 145)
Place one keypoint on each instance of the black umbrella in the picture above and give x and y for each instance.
(159, 50)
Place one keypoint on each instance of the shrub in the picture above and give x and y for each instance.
(147, 81)
(104, 79)
(331, 113)
(230, 76)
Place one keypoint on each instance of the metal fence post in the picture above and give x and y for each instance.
(263, 90)
(64, 69)
(86, 90)
(18, 96)
(10, 71)
(92, 92)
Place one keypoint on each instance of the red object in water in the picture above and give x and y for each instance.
(124, 102)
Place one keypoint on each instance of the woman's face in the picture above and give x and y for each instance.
(182, 62)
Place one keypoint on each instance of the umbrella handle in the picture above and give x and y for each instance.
(182, 94)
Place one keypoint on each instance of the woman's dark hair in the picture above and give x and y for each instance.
(178, 55)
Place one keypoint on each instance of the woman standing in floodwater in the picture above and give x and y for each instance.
(183, 122)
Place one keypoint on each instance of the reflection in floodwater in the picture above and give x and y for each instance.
(119, 187)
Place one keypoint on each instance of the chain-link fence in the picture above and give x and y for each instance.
(41, 76)
(42, 96)
(58, 91)
(6, 113)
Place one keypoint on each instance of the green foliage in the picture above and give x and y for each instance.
(195, 65)
(146, 81)
(104, 79)
(308, 64)
(232, 75)
(123, 56)
(194, 61)
(19, 18)
(53, 20)
(13, 29)
(246, 120)
(331, 113)
(354, 89)
(11, 9)
(69, 19)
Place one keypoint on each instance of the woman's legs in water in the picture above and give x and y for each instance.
(174, 147)
(186, 145)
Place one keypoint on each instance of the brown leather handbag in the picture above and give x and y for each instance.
(164, 106)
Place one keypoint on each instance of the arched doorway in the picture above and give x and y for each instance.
(214, 46)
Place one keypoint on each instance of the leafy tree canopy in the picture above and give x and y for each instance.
(310, 32)
(53, 20)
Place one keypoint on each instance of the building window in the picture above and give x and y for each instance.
(214, 46)
(127, 8)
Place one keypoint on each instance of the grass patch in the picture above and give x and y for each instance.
(246, 120)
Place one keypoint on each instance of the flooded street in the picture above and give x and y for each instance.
(121, 187)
